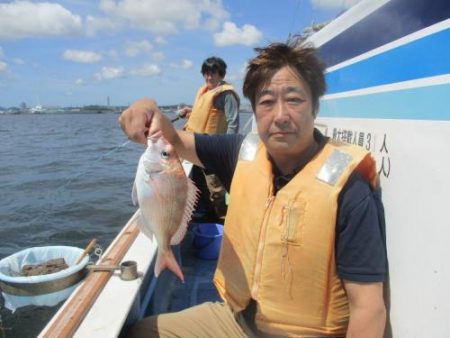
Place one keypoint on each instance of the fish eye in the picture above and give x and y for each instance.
(164, 154)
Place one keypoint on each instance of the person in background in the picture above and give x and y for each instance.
(303, 252)
(215, 111)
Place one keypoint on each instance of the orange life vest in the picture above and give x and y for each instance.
(205, 118)
(280, 250)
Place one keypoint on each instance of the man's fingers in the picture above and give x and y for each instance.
(144, 119)
(135, 122)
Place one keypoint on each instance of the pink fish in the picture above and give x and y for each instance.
(166, 199)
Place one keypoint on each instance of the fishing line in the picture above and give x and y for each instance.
(52, 195)
(247, 124)
(71, 179)
(294, 18)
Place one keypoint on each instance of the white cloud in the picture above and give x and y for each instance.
(160, 40)
(109, 73)
(3, 66)
(239, 74)
(161, 16)
(21, 19)
(248, 35)
(113, 54)
(19, 61)
(183, 64)
(334, 4)
(149, 69)
(213, 24)
(107, 5)
(158, 56)
(133, 48)
(81, 56)
(79, 82)
(96, 24)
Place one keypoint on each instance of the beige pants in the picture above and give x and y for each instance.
(215, 320)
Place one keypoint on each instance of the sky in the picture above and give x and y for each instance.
(82, 52)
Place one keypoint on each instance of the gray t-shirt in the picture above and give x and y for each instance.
(228, 102)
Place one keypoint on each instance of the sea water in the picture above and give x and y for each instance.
(64, 180)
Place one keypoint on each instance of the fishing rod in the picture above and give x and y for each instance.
(179, 116)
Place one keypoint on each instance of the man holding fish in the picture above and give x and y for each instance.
(303, 253)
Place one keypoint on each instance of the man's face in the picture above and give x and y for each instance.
(284, 114)
(212, 79)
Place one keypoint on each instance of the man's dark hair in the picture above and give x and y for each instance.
(270, 59)
(214, 65)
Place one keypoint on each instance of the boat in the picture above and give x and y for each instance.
(38, 109)
(388, 75)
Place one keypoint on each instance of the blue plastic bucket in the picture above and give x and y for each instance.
(208, 239)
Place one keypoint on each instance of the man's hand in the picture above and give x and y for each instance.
(135, 121)
(184, 112)
(143, 119)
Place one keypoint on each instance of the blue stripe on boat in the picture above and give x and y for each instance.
(432, 53)
(424, 103)
(390, 22)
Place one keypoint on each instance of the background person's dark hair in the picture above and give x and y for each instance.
(270, 59)
(214, 65)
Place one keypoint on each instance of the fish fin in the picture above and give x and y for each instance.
(134, 195)
(191, 200)
(168, 260)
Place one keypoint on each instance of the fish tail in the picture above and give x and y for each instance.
(168, 260)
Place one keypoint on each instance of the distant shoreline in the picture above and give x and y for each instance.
(59, 111)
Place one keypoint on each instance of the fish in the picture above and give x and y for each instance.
(166, 198)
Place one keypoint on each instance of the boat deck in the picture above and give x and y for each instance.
(172, 295)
